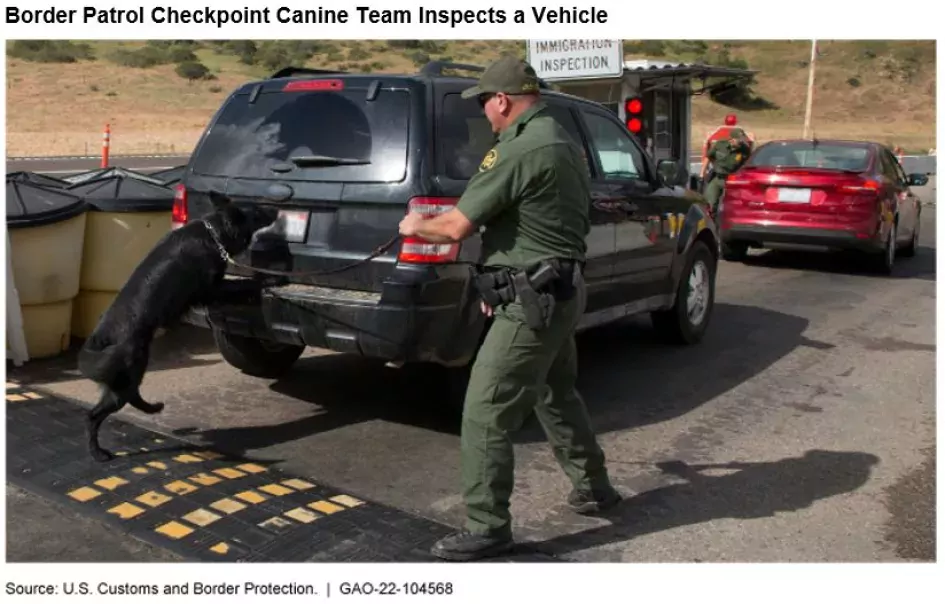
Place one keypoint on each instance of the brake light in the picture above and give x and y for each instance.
(866, 186)
(419, 251)
(179, 209)
(298, 85)
(733, 180)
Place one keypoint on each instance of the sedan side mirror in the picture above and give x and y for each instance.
(918, 180)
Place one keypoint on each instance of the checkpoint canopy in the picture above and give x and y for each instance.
(653, 97)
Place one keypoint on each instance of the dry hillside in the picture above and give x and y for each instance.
(60, 94)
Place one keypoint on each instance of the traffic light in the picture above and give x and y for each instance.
(633, 115)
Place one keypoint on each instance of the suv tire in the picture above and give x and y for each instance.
(256, 357)
(682, 324)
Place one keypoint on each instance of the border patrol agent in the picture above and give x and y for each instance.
(531, 194)
(741, 143)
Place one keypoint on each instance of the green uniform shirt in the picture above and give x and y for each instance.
(531, 193)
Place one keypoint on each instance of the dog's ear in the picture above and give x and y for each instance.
(219, 200)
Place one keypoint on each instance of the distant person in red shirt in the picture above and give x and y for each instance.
(726, 148)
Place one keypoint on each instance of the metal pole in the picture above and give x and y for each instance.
(810, 88)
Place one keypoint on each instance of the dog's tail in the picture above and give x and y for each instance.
(103, 362)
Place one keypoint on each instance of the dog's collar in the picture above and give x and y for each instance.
(216, 240)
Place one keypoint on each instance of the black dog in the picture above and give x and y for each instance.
(184, 269)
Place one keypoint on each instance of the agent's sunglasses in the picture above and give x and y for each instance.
(483, 99)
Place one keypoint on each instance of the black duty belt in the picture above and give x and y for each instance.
(537, 288)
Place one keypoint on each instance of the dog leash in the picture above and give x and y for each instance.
(227, 258)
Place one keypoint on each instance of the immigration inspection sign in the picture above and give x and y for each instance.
(576, 59)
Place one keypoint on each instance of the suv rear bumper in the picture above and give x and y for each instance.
(409, 322)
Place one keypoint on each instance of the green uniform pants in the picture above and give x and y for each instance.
(516, 371)
(713, 191)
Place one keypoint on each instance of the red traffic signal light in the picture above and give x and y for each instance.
(634, 114)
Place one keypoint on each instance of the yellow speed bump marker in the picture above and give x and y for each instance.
(84, 494)
(325, 507)
(111, 483)
(126, 511)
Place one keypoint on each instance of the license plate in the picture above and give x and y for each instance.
(794, 195)
(293, 224)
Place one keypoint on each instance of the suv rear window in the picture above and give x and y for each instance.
(809, 155)
(465, 136)
(247, 139)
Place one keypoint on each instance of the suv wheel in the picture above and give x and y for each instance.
(256, 357)
(735, 251)
(687, 320)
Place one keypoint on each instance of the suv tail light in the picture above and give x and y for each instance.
(179, 209)
(419, 251)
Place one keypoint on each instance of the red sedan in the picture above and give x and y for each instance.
(847, 195)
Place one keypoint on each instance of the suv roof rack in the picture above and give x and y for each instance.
(435, 68)
(291, 71)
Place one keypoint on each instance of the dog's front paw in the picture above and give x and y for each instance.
(154, 408)
(101, 455)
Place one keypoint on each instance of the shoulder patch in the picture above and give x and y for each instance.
(489, 160)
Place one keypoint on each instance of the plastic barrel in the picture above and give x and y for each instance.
(46, 229)
(127, 217)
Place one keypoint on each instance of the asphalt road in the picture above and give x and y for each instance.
(801, 429)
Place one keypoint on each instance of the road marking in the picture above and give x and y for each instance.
(229, 473)
(302, 515)
(298, 485)
(276, 522)
(126, 511)
(111, 483)
(84, 494)
(252, 468)
(174, 530)
(180, 487)
(325, 507)
(347, 500)
(275, 489)
(220, 548)
(201, 517)
(188, 459)
(251, 497)
(152, 499)
(227, 506)
(204, 479)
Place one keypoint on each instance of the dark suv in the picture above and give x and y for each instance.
(346, 155)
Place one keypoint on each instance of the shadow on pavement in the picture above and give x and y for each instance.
(627, 377)
(921, 266)
(178, 348)
(749, 490)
